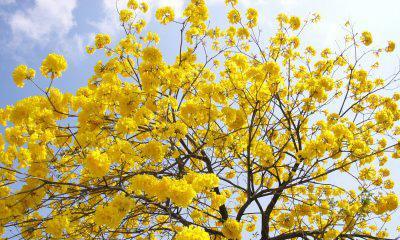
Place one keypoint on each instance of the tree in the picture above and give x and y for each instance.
(197, 150)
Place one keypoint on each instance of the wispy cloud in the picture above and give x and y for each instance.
(47, 19)
(46, 24)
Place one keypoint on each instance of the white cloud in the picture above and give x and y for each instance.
(176, 5)
(46, 19)
(109, 23)
(46, 24)
(289, 3)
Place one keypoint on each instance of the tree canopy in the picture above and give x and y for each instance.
(238, 137)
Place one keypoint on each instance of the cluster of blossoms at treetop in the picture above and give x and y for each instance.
(235, 138)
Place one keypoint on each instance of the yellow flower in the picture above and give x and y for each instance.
(232, 229)
(153, 150)
(53, 65)
(331, 234)
(22, 73)
(234, 16)
(165, 15)
(1, 143)
(192, 233)
(112, 214)
(366, 38)
(97, 163)
(126, 126)
(282, 18)
(243, 33)
(179, 191)
(57, 225)
(200, 182)
(390, 47)
(386, 203)
(310, 50)
(90, 49)
(286, 220)
(252, 17)
(294, 22)
(125, 15)
(152, 55)
(101, 40)
(250, 227)
(326, 52)
(197, 12)
(144, 7)
(140, 25)
(152, 36)
(233, 2)
(231, 174)
(132, 4)
(388, 184)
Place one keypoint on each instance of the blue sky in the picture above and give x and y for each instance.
(30, 29)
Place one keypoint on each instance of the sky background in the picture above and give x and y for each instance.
(30, 29)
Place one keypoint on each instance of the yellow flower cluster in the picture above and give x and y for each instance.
(192, 233)
(265, 153)
(1, 142)
(22, 73)
(294, 22)
(232, 2)
(179, 191)
(132, 4)
(102, 40)
(125, 15)
(386, 203)
(232, 229)
(331, 234)
(197, 13)
(183, 147)
(154, 151)
(235, 119)
(112, 214)
(234, 16)
(390, 47)
(53, 66)
(165, 15)
(126, 125)
(201, 182)
(152, 68)
(97, 163)
(152, 54)
(366, 38)
(252, 17)
(144, 7)
(57, 225)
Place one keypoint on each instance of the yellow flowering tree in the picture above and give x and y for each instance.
(237, 138)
